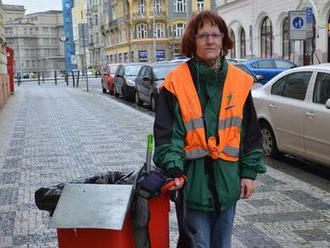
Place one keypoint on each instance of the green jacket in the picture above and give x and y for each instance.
(203, 193)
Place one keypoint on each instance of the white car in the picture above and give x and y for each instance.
(293, 111)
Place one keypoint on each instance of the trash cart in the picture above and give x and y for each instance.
(92, 215)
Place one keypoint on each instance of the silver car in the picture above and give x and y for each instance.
(293, 110)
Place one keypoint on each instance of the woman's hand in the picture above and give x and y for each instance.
(178, 183)
(247, 188)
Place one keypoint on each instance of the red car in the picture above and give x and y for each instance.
(107, 75)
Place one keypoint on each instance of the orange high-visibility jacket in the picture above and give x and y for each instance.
(235, 91)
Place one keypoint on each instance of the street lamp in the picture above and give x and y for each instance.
(154, 35)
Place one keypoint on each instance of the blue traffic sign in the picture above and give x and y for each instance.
(309, 15)
(298, 22)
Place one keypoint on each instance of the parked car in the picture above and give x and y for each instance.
(107, 74)
(124, 80)
(148, 81)
(293, 110)
(268, 67)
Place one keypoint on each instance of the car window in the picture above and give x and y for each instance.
(141, 72)
(161, 71)
(147, 72)
(283, 64)
(278, 86)
(296, 85)
(113, 69)
(119, 70)
(322, 88)
(132, 70)
(267, 64)
(255, 65)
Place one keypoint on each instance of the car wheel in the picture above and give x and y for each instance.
(137, 99)
(269, 142)
(153, 103)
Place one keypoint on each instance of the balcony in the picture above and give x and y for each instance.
(113, 25)
(159, 16)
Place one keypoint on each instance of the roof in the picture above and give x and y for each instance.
(13, 7)
(48, 12)
(325, 66)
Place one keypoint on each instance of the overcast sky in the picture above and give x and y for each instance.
(32, 6)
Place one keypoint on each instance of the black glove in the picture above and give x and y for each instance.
(174, 172)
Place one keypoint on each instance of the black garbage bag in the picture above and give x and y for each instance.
(46, 198)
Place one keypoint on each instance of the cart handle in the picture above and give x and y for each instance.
(172, 183)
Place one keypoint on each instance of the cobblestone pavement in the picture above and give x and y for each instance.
(51, 134)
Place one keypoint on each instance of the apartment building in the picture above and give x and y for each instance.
(95, 13)
(35, 39)
(261, 29)
(4, 82)
(81, 33)
(147, 30)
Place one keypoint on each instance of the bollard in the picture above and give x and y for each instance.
(66, 78)
(55, 77)
(78, 79)
(73, 83)
(38, 78)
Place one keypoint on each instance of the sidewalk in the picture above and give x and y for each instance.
(51, 134)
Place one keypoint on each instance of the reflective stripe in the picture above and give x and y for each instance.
(194, 124)
(230, 122)
(196, 153)
(232, 151)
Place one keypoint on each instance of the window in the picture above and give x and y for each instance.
(141, 7)
(179, 29)
(200, 5)
(53, 30)
(96, 20)
(45, 30)
(263, 64)
(142, 31)
(232, 37)
(9, 30)
(157, 6)
(293, 85)
(180, 5)
(266, 38)
(159, 30)
(283, 64)
(278, 87)
(322, 88)
(243, 43)
(286, 44)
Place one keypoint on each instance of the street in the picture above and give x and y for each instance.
(56, 133)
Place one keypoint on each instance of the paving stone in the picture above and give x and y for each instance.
(284, 216)
(307, 199)
(313, 235)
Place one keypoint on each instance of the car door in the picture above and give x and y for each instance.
(287, 111)
(317, 121)
(120, 80)
(146, 84)
(116, 78)
(138, 80)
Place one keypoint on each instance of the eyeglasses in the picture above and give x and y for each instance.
(205, 36)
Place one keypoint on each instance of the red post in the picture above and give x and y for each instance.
(10, 68)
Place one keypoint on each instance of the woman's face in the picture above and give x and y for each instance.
(208, 42)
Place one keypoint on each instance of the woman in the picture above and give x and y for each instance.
(206, 129)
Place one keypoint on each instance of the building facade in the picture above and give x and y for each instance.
(4, 82)
(261, 29)
(147, 30)
(95, 15)
(80, 33)
(35, 39)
